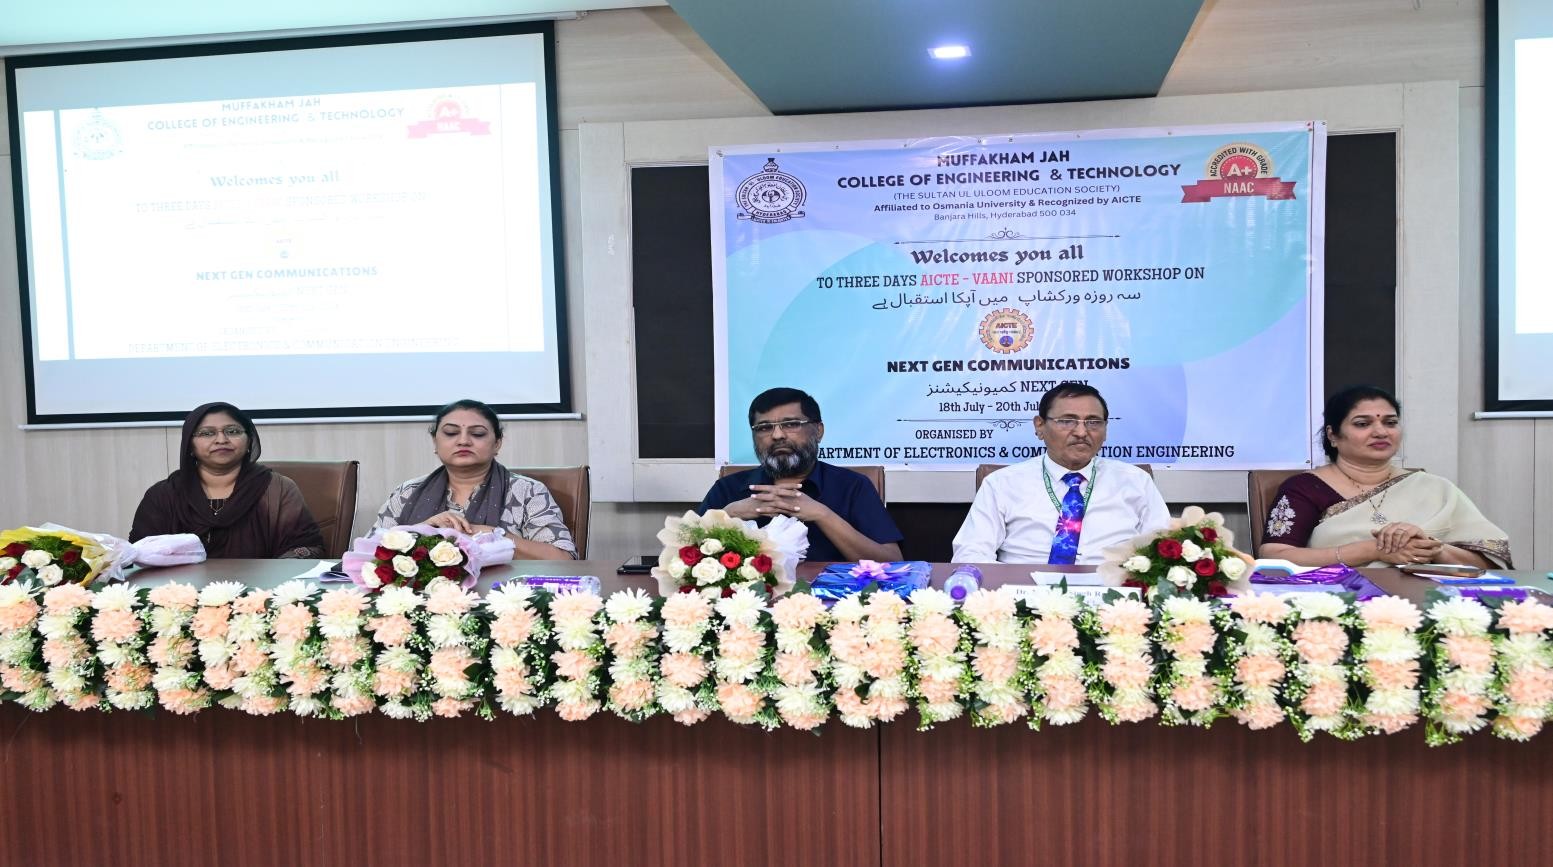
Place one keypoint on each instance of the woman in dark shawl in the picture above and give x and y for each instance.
(222, 494)
(472, 493)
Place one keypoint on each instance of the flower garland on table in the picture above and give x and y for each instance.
(169, 615)
(297, 650)
(454, 638)
(257, 684)
(1259, 660)
(21, 665)
(802, 663)
(742, 660)
(1189, 689)
(1119, 679)
(629, 634)
(577, 659)
(1389, 652)
(868, 651)
(345, 655)
(937, 654)
(1457, 701)
(121, 642)
(1056, 685)
(1316, 691)
(686, 688)
(998, 657)
(518, 638)
(72, 669)
(1524, 683)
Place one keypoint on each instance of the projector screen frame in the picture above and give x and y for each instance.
(561, 408)
(1493, 405)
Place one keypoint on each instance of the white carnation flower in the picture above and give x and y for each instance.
(928, 600)
(114, 597)
(405, 566)
(113, 654)
(1515, 652)
(887, 687)
(172, 678)
(51, 574)
(711, 547)
(446, 553)
(941, 668)
(1064, 663)
(1392, 702)
(1067, 717)
(848, 609)
(847, 675)
(397, 710)
(682, 639)
(340, 625)
(1261, 639)
(882, 630)
(214, 651)
(1181, 577)
(1183, 609)
(1137, 563)
(15, 647)
(628, 606)
(738, 672)
(36, 558)
(1190, 552)
(504, 658)
(1467, 681)
(306, 705)
(511, 596)
(1195, 666)
(1460, 616)
(401, 659)
(791, 640)
(66, 680)
(56, 625)
(575, 636)
(1004, 634)
(136, 700)
(675, 698)
(708, 571)
(571, 691)
(398, 540)
(397, 600)
(1389, 645)
(445, 630)
(997, 693)
(1125, 645)
(293, 591)
(798, 699)
(1054, 602)
(1313, 606)
(221, 593)
(1232, 567)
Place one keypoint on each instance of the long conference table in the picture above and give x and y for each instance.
(226, 788)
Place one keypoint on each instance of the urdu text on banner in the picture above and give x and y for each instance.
(928, 292)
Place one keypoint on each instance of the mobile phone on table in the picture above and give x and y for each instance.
(638, 565)
(1444, 570)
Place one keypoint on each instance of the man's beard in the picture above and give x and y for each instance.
(790, 464)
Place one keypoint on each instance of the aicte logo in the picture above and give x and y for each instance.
(1006, 331)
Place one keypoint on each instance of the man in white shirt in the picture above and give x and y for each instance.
(1068, 505)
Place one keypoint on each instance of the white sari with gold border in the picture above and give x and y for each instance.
(1432, 503)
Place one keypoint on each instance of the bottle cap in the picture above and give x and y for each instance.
(957, 592)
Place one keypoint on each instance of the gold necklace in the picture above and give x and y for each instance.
(1378, 518)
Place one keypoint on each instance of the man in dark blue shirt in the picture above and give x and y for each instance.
(840, 504)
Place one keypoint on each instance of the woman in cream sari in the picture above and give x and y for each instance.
(1361, 510)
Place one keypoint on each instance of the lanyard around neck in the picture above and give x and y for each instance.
(1094, 473)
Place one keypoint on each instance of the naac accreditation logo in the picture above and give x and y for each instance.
(1006, 331)
(1239, 169)
(770, 195)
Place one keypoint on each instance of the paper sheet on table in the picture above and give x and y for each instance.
(318, 569)
(1074, 579)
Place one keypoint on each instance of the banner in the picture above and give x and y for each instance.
(927, 293)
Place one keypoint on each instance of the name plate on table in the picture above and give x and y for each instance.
(1074, 579)
(1092, 593)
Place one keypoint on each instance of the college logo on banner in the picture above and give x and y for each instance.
(770, 195)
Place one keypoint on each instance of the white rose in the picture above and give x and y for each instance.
(708, 571)
(7, 564)
(1137, 563)
(1190, 552)
(37, 559)
(446, 553)
(398, 540)
(711, 546)
(369, 575)
(1181, 577)
(1232, 567)
(51, 574)
(748, 573)
(677, 569)
(405, 566)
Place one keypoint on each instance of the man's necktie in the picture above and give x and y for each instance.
(1070, 522)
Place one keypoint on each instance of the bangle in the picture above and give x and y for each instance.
(1338, 553)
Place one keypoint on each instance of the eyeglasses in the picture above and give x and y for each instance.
(1068, 422)
(232, 431)
(788, 426)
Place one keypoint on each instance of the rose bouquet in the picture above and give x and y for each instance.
(717, 554)
(414, 555)
(51, 556)
(1194, 555)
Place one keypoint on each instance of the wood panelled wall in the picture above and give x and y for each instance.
(647, 64)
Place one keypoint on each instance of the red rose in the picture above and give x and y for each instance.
(690, 555)
(1133, 582)
(1170, 549)
(727, 591)
(383, 554)
(1205, 567)
(15, 570)
(452, 572)
(15, 549)
(1209, 534)
(385, 573)
(687, 588)
(760, 563)
(71, 555)
(418, 553)
(731, 560)
(1216, 588)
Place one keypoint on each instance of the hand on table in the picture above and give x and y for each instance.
(1393, 537)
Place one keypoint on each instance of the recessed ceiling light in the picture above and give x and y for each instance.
(949, 52)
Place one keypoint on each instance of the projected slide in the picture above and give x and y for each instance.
(306, 224)
(333, 226)
(1534, 189)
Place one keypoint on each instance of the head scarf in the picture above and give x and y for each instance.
(194, 512)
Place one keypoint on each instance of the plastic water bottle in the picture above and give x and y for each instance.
(962, 582)
(563, 583)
